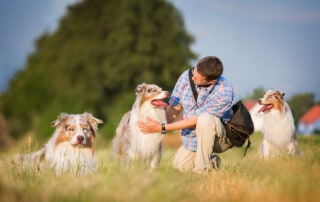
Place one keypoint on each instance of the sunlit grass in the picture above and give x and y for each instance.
(285, 178)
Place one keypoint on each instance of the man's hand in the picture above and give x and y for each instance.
(151, 126)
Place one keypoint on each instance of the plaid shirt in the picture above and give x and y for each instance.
(216, 99)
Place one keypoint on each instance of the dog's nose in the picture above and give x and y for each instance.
(80, 138)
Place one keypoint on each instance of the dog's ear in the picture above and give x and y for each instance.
(280, 94)
(61, 120)
(93, 121)
(141, 88)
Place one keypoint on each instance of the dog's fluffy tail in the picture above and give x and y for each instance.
(34, 159)
(121, 141)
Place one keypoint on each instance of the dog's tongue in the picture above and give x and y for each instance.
(265, 107)
(159, 103)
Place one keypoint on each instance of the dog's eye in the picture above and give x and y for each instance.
(86, 129)
(69, 128)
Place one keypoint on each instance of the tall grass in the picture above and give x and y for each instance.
(286, 178)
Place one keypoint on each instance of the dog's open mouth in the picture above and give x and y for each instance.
(265, 107)
(159, 103)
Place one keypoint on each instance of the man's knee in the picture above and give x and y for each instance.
(205, 119)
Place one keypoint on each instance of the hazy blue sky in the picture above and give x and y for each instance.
(21, 22)
(271, 44)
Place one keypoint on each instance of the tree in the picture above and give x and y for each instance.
(300, 104)
(101, 50)
(256, 94)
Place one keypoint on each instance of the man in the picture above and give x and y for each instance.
(202, 126)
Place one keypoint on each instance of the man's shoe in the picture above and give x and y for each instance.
(215, 161)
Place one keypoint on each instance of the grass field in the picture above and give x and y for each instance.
(283, 179)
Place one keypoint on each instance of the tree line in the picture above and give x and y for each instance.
(101, 50)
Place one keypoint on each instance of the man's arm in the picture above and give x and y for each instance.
(153, 126)
(181, 124)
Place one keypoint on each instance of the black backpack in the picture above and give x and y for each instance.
(240, 126)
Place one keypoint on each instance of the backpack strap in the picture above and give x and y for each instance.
(193, 87)
(247, 147)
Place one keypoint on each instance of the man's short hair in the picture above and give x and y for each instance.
(210, 67)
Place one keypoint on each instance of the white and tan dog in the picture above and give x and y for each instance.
(129, 140)
(278, 126)
(71, 148)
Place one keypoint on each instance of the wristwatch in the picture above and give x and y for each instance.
(163, 128)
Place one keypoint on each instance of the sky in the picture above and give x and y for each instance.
(263, 44)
